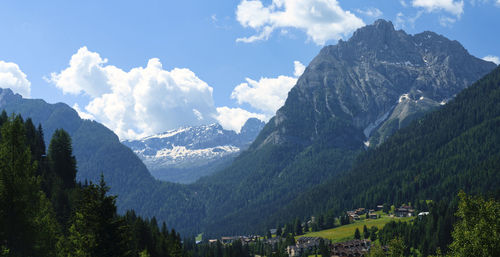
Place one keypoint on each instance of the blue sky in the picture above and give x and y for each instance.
(143, 67)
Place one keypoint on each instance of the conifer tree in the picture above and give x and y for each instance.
(61, 174)
(27, 224)
(96, 230)
(357, 235)
(61, 159)
(366, 233)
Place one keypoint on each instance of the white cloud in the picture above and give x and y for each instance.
(454, 7)
(370, 12)
(322, 20)
(498, 3)
(446, 21)
(235, 118)
(403, 20)
(140, 102)
(83, 114)
(480, 2)
(299, 68)
(400, 20)
(12, 77)
(267, 94)
(492, 58)
(86, 73)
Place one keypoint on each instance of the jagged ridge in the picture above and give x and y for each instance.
(184, 155)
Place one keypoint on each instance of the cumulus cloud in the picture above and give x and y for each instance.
(370, 12)
(140, 102)
(235, 118)
(454, 7)
(322, 20)
(492, 58)
(267, 94)
(83, 114)
(86, 73)
(299, 68)
(12, 77)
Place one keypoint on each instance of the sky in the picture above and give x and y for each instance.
(145, 67)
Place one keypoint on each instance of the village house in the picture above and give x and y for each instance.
(229, 239)
(404, 211)
(243, 239)
(354, 247)
(273, 241)
(360, 211)
(354, 217)
(302, 244)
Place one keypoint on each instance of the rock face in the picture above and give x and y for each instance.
(366, 88)
(186, 154)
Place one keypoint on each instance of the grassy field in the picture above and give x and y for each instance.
(346, 232)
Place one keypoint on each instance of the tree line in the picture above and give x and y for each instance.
(45, 212)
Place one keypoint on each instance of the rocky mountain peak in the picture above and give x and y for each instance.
(252, 127)
(351, 91)
(7, 95)
(378, 29)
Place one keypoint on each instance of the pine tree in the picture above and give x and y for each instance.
(96, 229)
(61, 175)
(298, 227)
(323, 248)
(27, 223)
(373, 233)
(357, 235)
(366, 233)
(61, 159)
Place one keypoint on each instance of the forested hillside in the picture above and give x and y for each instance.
(455, 148)
(351, 95)
(45, 212)
(98, 151)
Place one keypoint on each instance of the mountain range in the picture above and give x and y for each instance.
(353, 94)
(186, 154)
(313, 154)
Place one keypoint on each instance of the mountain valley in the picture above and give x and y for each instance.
(353, 95)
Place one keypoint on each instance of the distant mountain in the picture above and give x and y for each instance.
(98, 150)
(186, 154)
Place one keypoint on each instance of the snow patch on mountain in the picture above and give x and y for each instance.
(192, 147)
